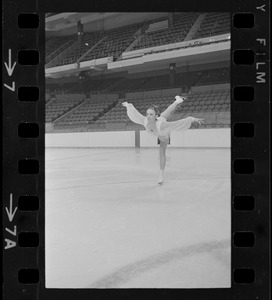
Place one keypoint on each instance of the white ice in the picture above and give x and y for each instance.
(110, 225)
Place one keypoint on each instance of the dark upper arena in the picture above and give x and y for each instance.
(96, 61)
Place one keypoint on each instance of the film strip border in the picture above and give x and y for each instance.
(250, 131)
(23, 148)
(23, 154)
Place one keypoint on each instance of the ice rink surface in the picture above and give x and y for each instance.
(110, 225)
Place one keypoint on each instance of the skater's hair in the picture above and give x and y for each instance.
(156, 109)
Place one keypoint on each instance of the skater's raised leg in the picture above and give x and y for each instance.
(171, 108)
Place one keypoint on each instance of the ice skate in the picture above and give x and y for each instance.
(160, 179)
(179, 99)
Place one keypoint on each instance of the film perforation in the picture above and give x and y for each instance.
(244, 239)
(28, 57)
(28, 166)
(244, 166)
(244, 203)
(243, 20)
(243, 93)
(28, 239)
(244, 275)
(243, 130)
(28, 21)
(28, 93)
(28, 203)
(28, 130)
(243, 57)
(28, 276)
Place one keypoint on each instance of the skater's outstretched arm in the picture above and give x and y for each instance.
(170, 109)
(133, 113)
(180, 125)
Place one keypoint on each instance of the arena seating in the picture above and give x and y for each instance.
(116, 42)
(213, 24)
(61, 105)
(219, 75)
(88, 41)
(100, 111)
(202, 102)
(206, 101)
(47, 98)
(89, 110)
(209, 103)
(212, 105)
(56, 45)
(181, 25)
(106, 111)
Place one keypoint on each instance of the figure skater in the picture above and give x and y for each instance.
(156, 124)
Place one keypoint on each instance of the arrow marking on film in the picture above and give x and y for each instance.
(12, 88)
(10, 213)
(10, 67)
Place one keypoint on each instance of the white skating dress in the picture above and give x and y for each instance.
(163, 127)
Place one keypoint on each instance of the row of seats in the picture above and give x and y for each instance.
(212, 120)
(115, 42)
(54, 43)
(88, 41)
(213, 100)
(216, 101)
(213, 24)
(175, 33)
(47, 98)
(92, 113)
(111, 43)
(61, 105)
(90, 109)
(57, 45)
(69, 97)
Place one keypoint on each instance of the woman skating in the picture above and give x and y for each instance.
(157, 124)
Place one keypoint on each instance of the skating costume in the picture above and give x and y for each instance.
(163, 127)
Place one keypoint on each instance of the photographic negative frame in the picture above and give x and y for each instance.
(24, 149)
